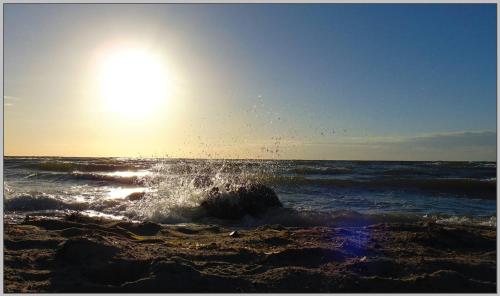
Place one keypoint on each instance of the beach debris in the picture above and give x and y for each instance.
(362, 259)
(234, 233)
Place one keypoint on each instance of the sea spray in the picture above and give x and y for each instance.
(176, 195)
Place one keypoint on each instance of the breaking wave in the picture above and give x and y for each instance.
(188, 210)
(130, 180)
(40, 202)
(101, 178)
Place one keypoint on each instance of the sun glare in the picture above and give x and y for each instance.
(133, 82)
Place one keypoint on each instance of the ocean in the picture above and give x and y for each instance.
(316, 192)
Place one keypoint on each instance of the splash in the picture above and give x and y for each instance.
(179, 187)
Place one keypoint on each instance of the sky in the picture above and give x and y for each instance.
(288, 81)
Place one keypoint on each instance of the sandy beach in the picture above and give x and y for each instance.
(83, 254)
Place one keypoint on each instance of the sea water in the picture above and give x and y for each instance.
(448, 192)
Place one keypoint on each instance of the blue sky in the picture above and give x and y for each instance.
(323, 74)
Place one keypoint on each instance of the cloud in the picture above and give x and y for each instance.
(11, 98)
(464, 145)
(448, 140)
(457, 139)
(8, 101)
(465, 138)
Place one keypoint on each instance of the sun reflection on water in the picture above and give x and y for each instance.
(123, 192)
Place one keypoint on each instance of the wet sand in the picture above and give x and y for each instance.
(82, 254)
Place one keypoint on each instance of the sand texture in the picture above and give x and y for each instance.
(82, 254)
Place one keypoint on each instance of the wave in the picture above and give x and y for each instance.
(34, 202)
(122, 180)
(462, 164)
(321, 171)
(473, 187)
(175, 211)
(289, 217)
(406, 171)
(96, 177)
(64, 166)
(337, 218)
(412, 171)
(350, 218)
(40, 202)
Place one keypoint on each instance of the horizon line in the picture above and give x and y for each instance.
(262, 159)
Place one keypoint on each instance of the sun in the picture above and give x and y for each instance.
(133, 82)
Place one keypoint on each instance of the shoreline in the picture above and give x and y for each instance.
(85, 254)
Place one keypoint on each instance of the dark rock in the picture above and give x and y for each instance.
(135, 196)
(252, 199)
